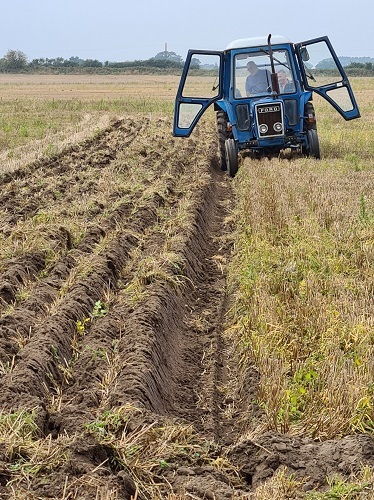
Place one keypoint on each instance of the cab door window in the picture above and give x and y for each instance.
(202, 80)
(320, 67)
(322, 71)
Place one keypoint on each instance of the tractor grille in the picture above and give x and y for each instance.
(269, 119)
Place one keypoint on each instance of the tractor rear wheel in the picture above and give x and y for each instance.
(222, 136)
(232, 161)
(313, 149)
(310, 127)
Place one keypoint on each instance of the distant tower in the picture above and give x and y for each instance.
(166, 51)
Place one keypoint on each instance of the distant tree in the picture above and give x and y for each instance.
(37, 62)
(75, 61)
(326, 64)
(195, 63)
(347, 61)
(344, 61)
(14, 60)
(59, 61)
(92, 63)
(360, 69)
(169, 56)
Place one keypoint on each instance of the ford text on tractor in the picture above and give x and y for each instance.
(262, 90)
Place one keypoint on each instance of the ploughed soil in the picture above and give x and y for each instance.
(114, 295)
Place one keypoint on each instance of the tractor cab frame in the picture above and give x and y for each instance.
(254, 110)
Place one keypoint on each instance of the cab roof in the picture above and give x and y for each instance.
(257, 41)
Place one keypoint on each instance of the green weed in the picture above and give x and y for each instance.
(340, 489)
(99, 310)
(364, 214)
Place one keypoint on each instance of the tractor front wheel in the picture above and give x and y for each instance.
(222, 136)
(231, 154)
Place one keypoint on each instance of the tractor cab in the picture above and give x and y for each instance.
(262, 90)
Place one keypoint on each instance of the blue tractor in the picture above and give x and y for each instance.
(262, 90)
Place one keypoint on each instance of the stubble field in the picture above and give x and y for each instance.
(165, 331)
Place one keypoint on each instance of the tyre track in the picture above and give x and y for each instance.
(51, 340)
(167, 337)
(156, 260)
(168, 355)
(111, 341)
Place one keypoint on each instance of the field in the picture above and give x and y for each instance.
(167, 332)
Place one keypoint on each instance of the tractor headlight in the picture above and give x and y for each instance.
(263, 128)
(278, 127)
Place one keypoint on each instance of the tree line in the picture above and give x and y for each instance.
(353, 66)
(15, 61)
(360, 69)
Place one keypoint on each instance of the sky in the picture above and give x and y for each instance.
(127, 30)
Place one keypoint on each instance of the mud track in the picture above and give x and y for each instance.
(115, 296)
(154, 253)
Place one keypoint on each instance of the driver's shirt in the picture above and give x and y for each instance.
(258, 83)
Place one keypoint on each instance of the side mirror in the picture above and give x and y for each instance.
(304, 54)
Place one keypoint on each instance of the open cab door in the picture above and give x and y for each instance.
(323, 73)
(195, 95)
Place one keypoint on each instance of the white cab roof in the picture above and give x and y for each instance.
(257, 41)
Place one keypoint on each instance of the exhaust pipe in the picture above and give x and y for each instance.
(274, 77)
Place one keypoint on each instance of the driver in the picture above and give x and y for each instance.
(258, 80)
